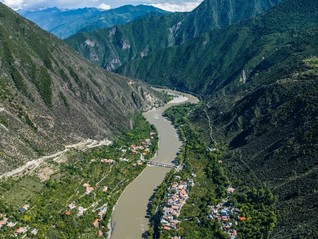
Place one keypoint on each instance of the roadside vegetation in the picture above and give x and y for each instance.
(73, 197)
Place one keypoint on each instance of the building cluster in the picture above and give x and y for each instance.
(143, 149)
(18, 230)
(80, 212)
(176, 198)
(228, 216)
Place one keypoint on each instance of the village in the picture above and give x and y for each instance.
(227, 215)
(176, 198)
(143, 150)
(18, 228)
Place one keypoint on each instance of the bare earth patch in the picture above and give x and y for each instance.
(45, 173)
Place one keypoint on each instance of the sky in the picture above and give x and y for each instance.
(169, 5)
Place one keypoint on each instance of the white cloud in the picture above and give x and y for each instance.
(177, 7)
(15, 4)
(170, 5)
(104, 6)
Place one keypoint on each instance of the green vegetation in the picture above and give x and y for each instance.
(64, 99)
(50, 96)
(43, 82)
(171, 30)
(272, 44)
(210, 175)
(54, 186)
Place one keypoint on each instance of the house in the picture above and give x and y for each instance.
(243, 218)
(21, 230)
(34, 231)
(89, 190)
(3, 222)
(105, 188)
(81, 211)
(230, 190)
(67, 213)
(100, 233)
(11, 224)
(26, 206)
(96, 223)
(86, 185)
(102, 212)
(72, 206)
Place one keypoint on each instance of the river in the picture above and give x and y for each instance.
(129, 217)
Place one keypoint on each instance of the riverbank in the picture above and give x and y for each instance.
(78, 191)
(129, 216)
(219, 205)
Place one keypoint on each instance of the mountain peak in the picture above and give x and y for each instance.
(50, 96)
(65, 22)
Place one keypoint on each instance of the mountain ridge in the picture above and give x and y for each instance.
(66, 22)
(170, 30)
(51, 97)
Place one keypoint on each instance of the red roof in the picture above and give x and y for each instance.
(20, 230)
(95, 223)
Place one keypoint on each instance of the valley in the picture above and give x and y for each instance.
(75, 194)
(89, 149)
(129, 218)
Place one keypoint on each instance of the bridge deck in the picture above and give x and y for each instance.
(165, 165)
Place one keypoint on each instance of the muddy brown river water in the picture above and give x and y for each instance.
(129, 217)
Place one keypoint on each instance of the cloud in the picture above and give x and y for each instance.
(104, 6)
(71, 4)
(170, 5)
(14, 4)
(177, 7)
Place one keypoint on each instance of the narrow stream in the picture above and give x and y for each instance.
(129, 217)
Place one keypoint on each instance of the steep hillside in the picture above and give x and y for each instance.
(115, 46)
(50, 97)
(237, 56)
(259, 80)
(64, 23)
(272, 137)
(262, 102)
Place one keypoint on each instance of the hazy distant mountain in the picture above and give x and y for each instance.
(51, 97)
(64, 23)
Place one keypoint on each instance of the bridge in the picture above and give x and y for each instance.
(164, 165)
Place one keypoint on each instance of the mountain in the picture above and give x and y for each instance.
(64, 23)
(51, 97)
(232, 56)
(259, 82)
(110, 48)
